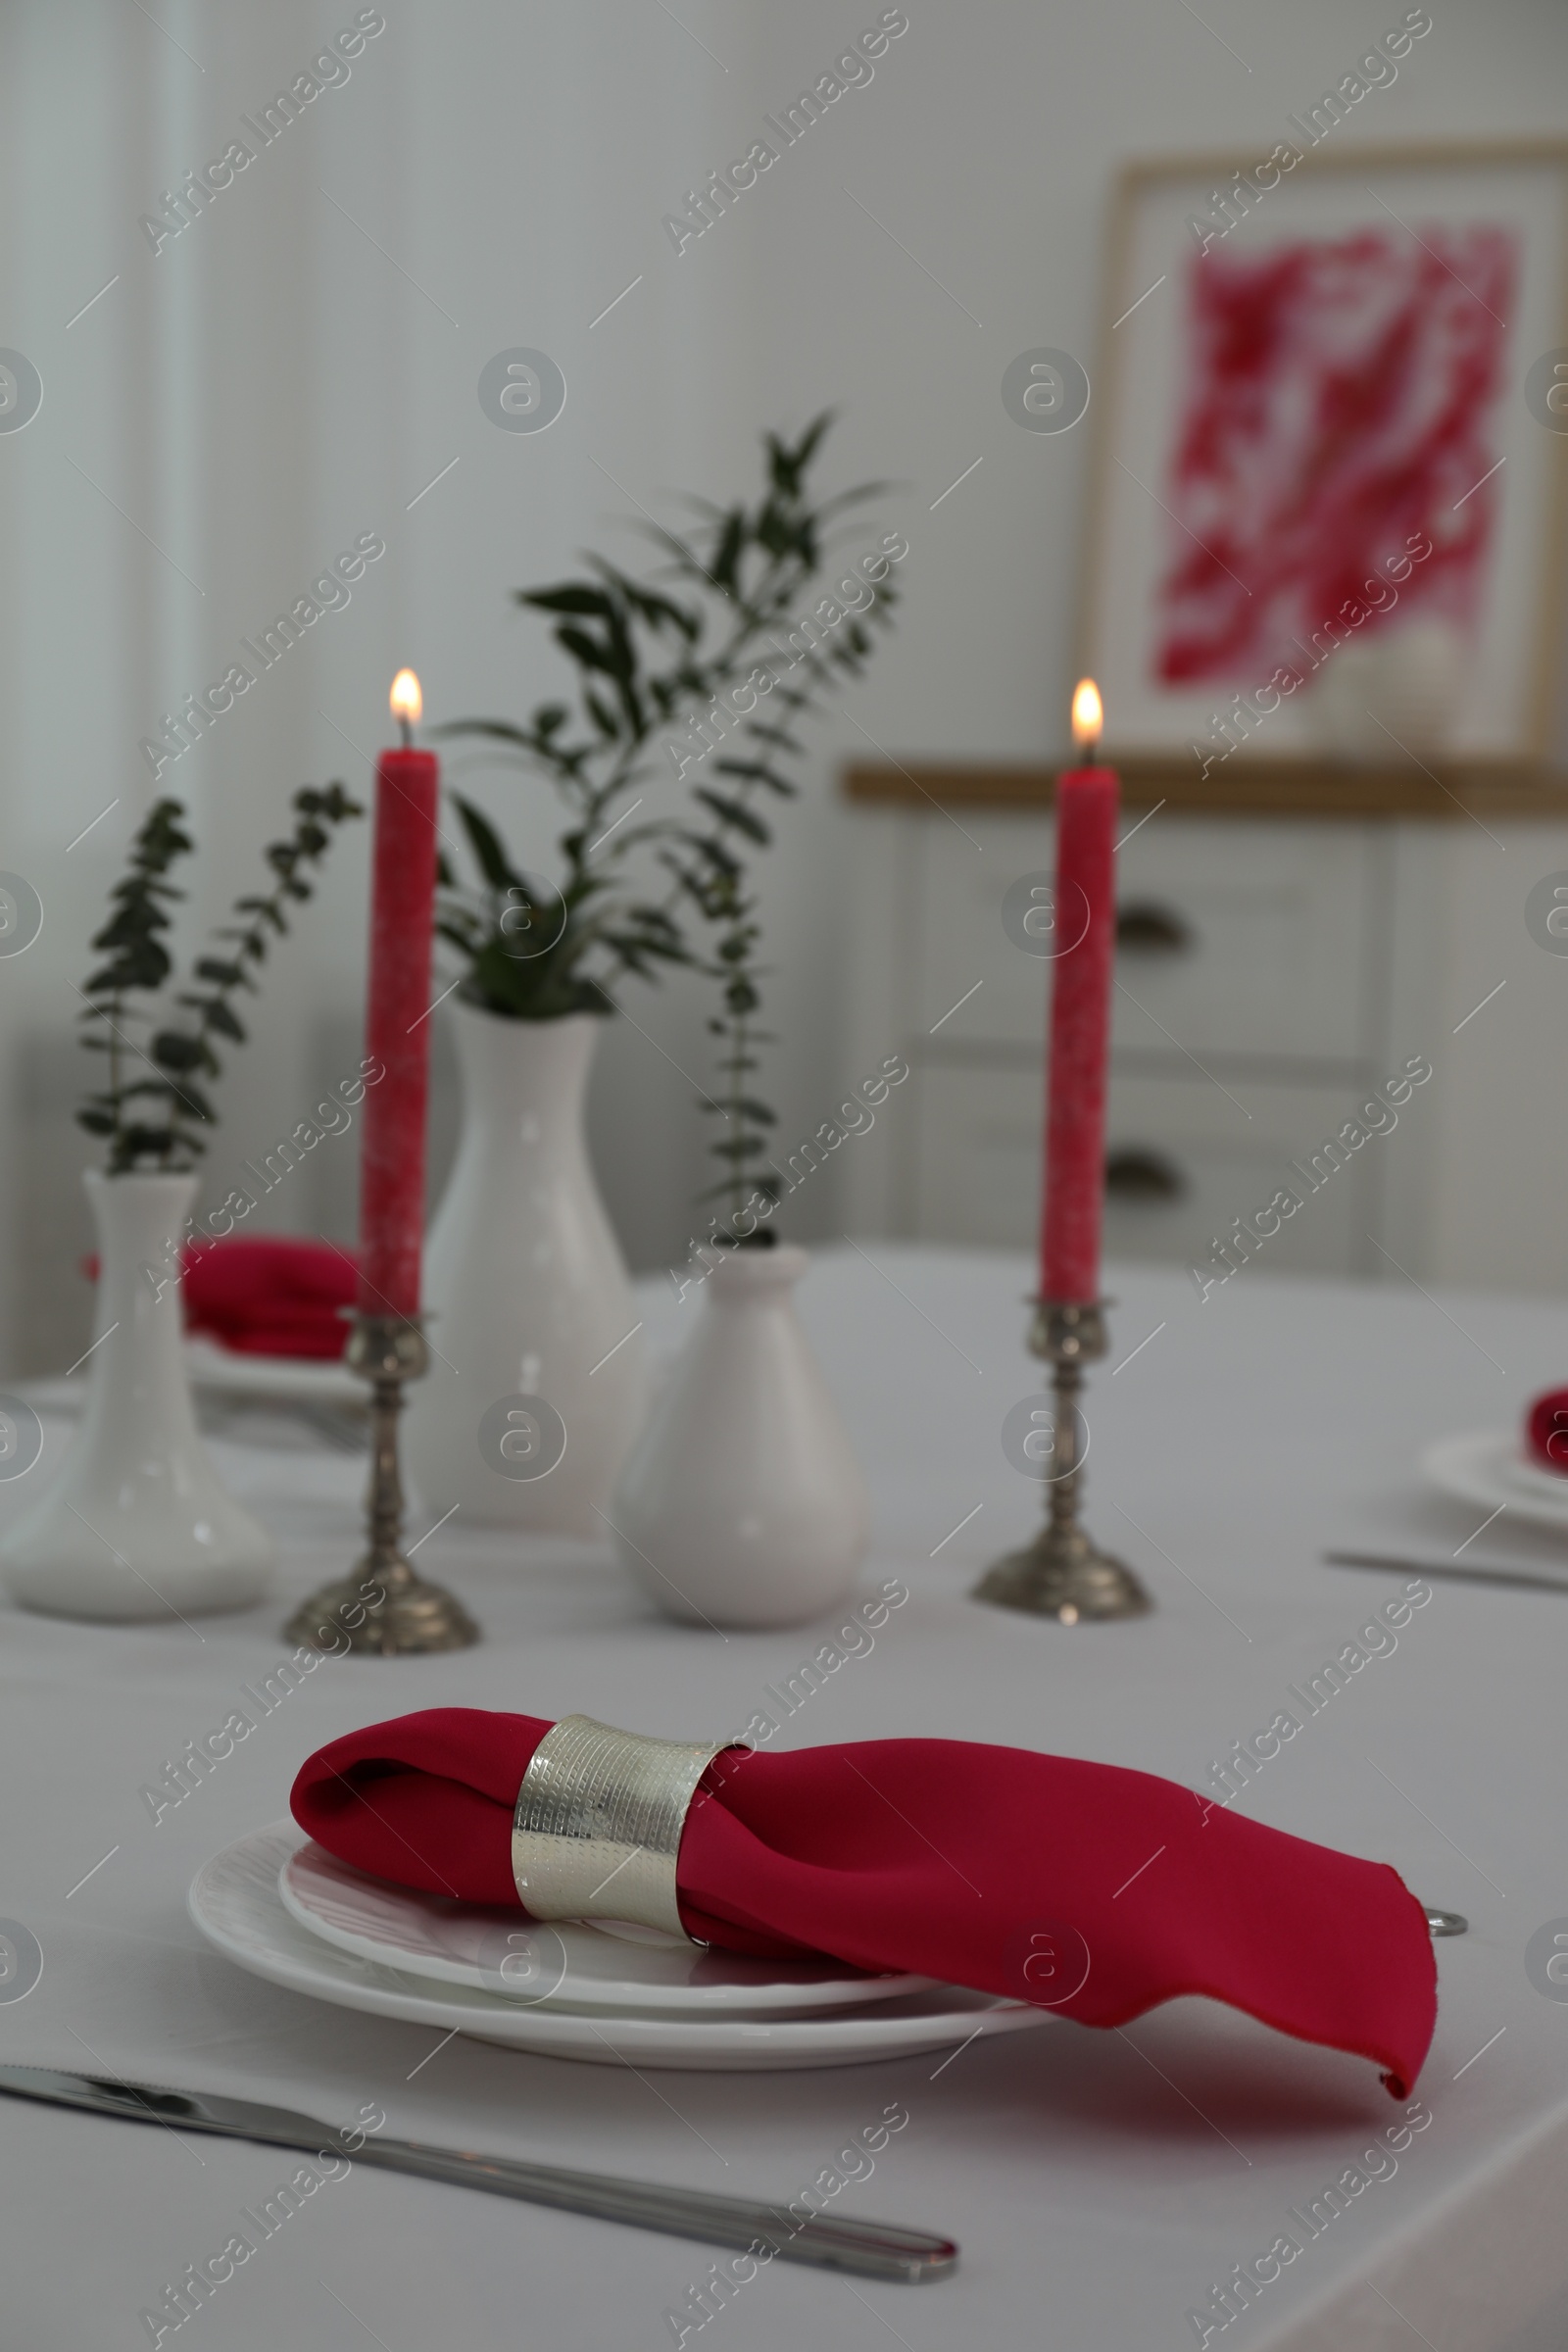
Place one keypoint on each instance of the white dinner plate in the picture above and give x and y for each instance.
(235, 1904)
(1492, 1468)
(492, 1948)
(1486, 1466)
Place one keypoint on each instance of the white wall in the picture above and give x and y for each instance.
(271, 383)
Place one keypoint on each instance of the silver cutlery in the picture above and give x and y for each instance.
(871, 2250)
(1476, 1575)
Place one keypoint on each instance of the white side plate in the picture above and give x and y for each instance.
(236, 1906)
(226, 1372)
(492, 1948)
(1486, 1466)
(300, 1379)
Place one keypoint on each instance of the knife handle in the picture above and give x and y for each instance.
(871, 2250)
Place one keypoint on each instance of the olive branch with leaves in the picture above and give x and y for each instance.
(651, 656)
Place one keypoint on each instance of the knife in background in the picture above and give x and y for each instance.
(1386, 1562)
(871, 2250)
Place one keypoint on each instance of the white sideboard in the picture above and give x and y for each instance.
(1277, 963)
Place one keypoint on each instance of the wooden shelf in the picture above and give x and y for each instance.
(1285, 788)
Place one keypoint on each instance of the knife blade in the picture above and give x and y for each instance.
(1522, 1579)
(871, 2250)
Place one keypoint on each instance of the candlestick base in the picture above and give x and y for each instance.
(1062, 1573)
(384, 1608)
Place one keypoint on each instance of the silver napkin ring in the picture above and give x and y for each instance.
(598, 1824)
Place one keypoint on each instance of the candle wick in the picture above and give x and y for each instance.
(408, 734)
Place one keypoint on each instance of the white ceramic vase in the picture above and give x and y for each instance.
(526, 1294)
(741, 1504)
(136, 1524)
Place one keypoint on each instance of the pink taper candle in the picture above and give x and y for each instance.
(1087, 803)
(397, 1029)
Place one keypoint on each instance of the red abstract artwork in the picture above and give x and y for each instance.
(1338, 400)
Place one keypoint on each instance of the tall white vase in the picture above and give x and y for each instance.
(742, 1503)
(528, 1296)
(136, 1523)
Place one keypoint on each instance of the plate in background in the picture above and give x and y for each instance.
(1484, 1466)
(300, 1379)
(224, 1372)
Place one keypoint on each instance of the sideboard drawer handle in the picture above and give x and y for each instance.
(1145, 928)
(1136, 1173)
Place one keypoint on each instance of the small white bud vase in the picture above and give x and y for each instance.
(136, 1524)
(741, 1502)
(537, 1377)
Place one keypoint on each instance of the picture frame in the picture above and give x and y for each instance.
(1306, 371)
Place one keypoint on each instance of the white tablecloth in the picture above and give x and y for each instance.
(1098, 2183)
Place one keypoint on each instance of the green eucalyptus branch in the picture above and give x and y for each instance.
(747, 1119)
(137, 963)
(180, 1057)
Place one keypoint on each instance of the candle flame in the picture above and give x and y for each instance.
(407, 700)
(1088, 716)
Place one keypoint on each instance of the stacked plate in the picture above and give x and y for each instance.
(284, 1908)
(1490, 1467)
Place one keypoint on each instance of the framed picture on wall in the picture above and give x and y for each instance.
(1331, 456)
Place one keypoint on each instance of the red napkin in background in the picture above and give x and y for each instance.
(1090, 1890)
(266, 1296)
(1547, 1430)
(270, 1294)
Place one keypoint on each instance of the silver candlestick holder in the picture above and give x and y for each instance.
(1064, 1573)
(384, 1609)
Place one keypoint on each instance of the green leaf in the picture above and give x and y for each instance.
(218, 1016)
(736, 814)
(727, 547)
(758, 772)
(583, 649)
(264, 909)
(173, 1049)
(657, 610)
(462, 932)
(570, 598)
(714, 853)
(499, 730)
(485, 843)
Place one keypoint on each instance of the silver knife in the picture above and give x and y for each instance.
(871, 2250)
(1522, 1578)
